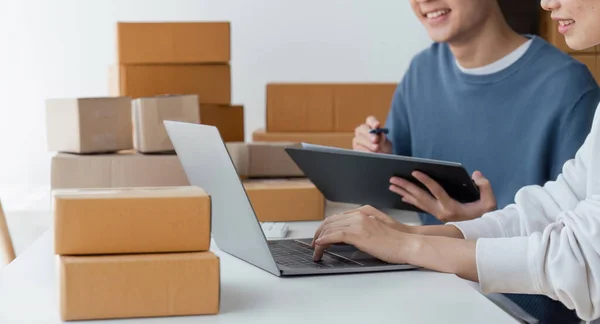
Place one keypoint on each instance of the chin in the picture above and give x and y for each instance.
(578, 44)
(439, 37)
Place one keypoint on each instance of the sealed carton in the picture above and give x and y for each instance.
(263, 159)
(123, 169)
(89, 125)
(131, 220)
(340, 140)
(285, 200)
(150, 134)
(173, 42)
(139, 285)
(326, 107)
(212, 83)
(228, 119)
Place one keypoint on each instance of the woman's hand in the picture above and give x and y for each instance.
(366, 228)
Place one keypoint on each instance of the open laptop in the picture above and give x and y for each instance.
(235, 227)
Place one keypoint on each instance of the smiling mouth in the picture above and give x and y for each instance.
(565, 23)
(437, 13)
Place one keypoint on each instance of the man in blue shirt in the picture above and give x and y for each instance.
(513, 108)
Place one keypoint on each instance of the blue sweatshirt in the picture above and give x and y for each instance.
(517, 126)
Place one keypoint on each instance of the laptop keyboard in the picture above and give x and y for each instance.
(295, 254)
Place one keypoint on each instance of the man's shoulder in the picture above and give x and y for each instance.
(558, 63)
(433, 53)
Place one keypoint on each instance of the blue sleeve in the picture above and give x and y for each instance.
(575, 127)
(397, 123)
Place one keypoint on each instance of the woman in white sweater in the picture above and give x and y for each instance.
(547, 243)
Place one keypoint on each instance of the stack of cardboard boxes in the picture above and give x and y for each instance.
(138, 252)
(322, 113)
(590, 57)
(274, 183)
(94, 141)
(166, 71)
(179, 58)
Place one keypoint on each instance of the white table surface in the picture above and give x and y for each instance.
(29, 294)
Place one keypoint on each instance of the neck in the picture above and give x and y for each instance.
(487, 44)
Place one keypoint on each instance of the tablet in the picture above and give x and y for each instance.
(364, 178)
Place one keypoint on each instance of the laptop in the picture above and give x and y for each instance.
(235, 227)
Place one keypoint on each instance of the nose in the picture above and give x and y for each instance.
(550, 5)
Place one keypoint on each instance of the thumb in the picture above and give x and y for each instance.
(485, 187)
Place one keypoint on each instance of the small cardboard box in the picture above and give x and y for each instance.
(263, 160)
(89, 125)
(139, 285)
(212, 83)
(173, 42)
(326, 107)
(340, 140)
(228, 119)
(131, 220)
(285, 200)
(148, 114)
(120, 170)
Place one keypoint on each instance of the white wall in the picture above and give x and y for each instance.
(62, 48)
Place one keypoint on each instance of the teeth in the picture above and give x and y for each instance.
(438, 13)
(564, 23)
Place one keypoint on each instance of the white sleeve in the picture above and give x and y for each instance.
(562, 261)
(535, 207)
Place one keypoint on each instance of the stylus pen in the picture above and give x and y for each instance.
(379, 131)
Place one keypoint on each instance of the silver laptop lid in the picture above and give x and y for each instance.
(207, 164)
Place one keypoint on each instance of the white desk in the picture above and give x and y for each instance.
(28, 294)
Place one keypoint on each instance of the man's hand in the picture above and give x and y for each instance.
(367, 142)
(370, 233)
(441, 205)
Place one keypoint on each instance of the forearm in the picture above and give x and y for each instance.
(443, 254)
(437, 230)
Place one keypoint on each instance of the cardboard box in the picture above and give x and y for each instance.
(173, 42)
(228, 119)
(324, 107)
(89, 125)
(212, 83)
(341, 140)
(263, 160)
(131, 220)
(592, 62)
(139, 285)
(124, 169)
(285, 200)
(148, 114)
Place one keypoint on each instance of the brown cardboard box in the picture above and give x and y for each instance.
(124, 169)
(173, 42)
(228, 119)
(148, 114)
(89, 125)
(549, 31)
(592, 62)
(285, 200)
(212, 83)
(325, 107)
(139, 285)
(131, 220)
(341, 140)
(263, 159)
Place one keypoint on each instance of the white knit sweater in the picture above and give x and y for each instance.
(548, 242)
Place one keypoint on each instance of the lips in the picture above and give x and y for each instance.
(436, 13)
(565, 23)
